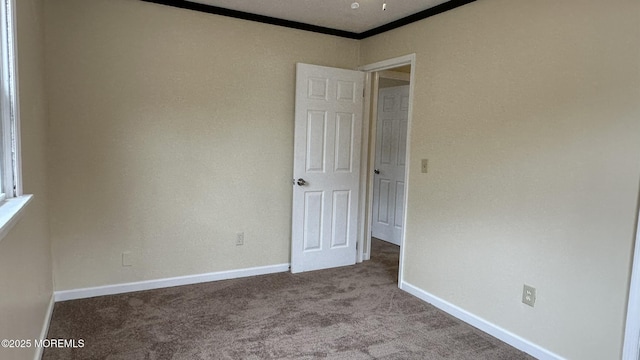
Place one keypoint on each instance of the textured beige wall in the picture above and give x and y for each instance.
(25, 254)
(529, 114)
(171, 131)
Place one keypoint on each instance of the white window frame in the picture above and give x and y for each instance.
(12, 201)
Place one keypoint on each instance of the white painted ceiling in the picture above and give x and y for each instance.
(334, 14)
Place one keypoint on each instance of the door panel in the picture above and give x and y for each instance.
(328, 131)
(313, 220)
(344, 142)
(384, 190)
(316, 131)
(390, 158)
(340, 222)
(385, 143)
(402, 144)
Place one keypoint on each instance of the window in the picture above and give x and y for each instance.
(8, 106)
(11, 199)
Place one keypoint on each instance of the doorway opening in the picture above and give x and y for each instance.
(389, 118)
(385, 172)
(333, 183)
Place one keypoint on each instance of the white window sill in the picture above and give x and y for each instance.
(11, 212)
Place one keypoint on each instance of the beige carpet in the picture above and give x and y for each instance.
(354, 312)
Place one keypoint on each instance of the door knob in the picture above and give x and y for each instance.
(376, 171)
(301, 182)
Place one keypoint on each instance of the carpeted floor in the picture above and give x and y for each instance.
(355, 312)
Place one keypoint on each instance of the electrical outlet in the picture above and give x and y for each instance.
(239, 239)
(126, 259)
(425, 165)
(528, 295)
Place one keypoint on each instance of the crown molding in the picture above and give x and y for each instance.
(210, 9)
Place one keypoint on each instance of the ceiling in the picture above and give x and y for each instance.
(334, 14)
(335, 17)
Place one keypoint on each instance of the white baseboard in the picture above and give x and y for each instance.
(168, 282)
(45, 327)
(482, 324)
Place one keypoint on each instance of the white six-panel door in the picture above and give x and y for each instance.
(326, 170)
(390, 156)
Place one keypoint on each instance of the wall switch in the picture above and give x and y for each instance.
(239, 239)
(529, 295)
(425, 164)
(126, 258)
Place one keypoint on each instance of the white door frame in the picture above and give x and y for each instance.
(368, 131)
(631, 346)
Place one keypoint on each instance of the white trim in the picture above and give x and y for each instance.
(373, 119)
(371, 86)
(45, 328)
(364, 173)
(631, 345)
(167, 282)
(17, 161)
(482, 324)
(11, 211)
(10, 118)
(376, 67)
(390, 63)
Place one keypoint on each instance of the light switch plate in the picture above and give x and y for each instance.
(528, 295)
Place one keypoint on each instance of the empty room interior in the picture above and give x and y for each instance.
(158, 142)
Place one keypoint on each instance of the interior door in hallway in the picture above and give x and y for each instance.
(390, 158)
(326, 170)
